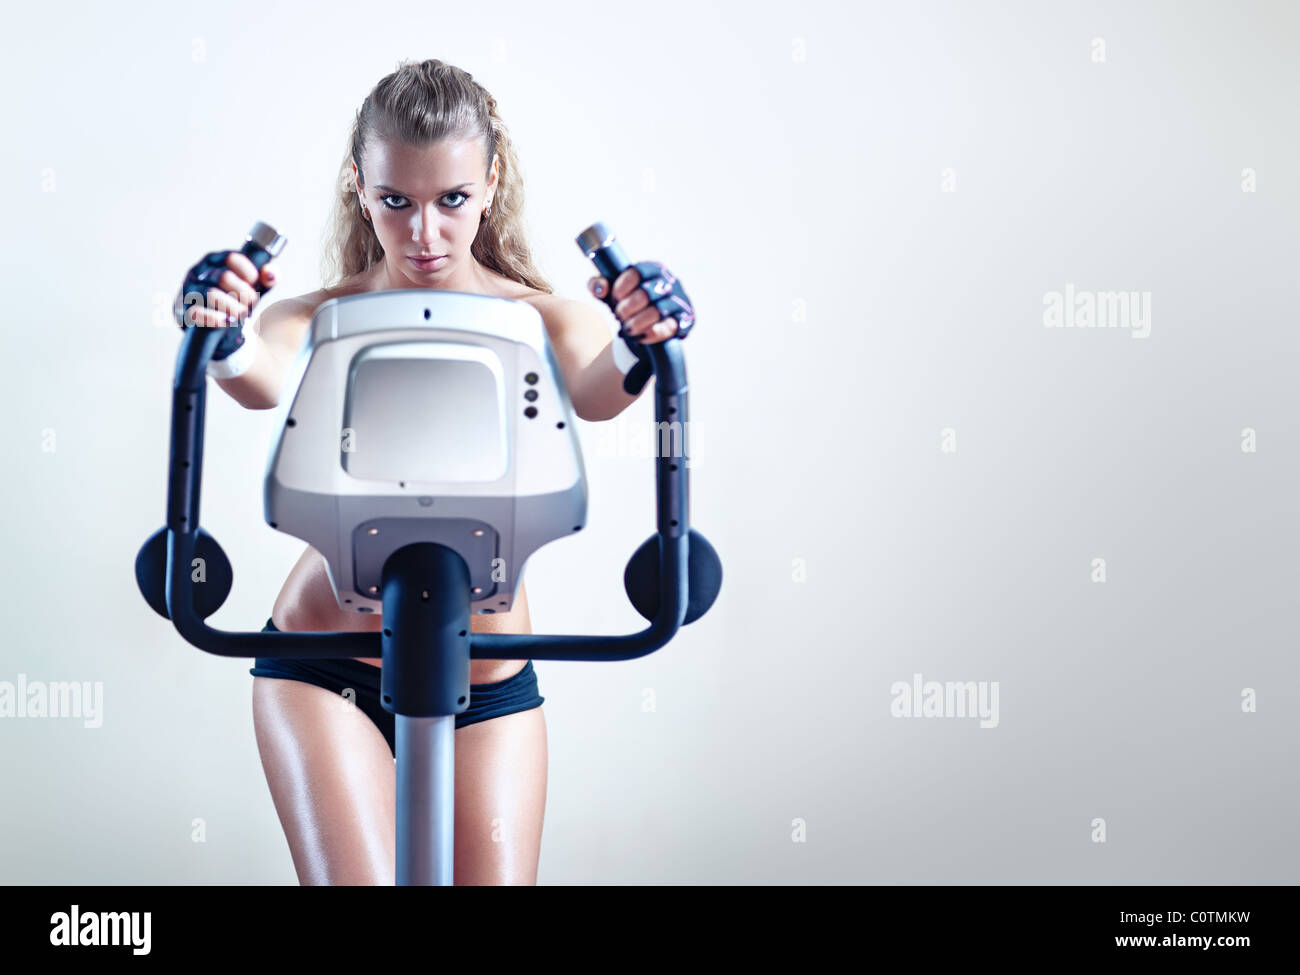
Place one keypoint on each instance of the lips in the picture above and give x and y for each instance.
(426, 263)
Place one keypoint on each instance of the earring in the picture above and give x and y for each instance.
(487, 211)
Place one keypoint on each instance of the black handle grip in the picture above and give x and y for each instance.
(603, 250)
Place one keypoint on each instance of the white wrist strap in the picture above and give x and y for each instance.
(238, 362)
(624, 358)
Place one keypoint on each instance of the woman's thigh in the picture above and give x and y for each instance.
(333, 782)
(500, 798)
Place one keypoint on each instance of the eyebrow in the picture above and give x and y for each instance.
(389, 189)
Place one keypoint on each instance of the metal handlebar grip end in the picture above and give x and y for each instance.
(268, 238)
(595, 237)
(602, 248)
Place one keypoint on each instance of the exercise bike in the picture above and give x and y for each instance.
(427, 450)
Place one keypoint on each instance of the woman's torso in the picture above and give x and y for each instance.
(306, 600)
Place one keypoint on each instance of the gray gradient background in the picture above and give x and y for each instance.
(765, 181)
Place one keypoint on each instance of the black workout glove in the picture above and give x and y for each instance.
(666, 294)
(199, 279)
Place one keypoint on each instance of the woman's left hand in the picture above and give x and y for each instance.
(649, 301)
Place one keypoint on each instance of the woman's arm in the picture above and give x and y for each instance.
(278, 330)
(582, 342)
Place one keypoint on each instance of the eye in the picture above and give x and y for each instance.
(464, 198)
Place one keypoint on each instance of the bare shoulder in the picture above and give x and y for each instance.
(291, 306)
(559, 312)
(313, 300)
(556, 310)
(545, 303)
(284, 321)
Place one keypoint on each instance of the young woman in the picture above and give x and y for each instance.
(430, 197)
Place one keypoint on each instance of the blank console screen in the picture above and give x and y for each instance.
(426, 411)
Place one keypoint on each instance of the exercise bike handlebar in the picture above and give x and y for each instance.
(182, 539)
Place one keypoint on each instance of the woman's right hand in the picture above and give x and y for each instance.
(220, 307)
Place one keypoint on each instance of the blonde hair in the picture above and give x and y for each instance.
(420, 103)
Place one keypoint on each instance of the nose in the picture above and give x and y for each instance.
(424, 225)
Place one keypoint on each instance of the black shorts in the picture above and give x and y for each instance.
(517, 693)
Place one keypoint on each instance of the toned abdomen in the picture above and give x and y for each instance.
(306, 602)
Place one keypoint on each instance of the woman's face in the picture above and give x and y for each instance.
(426, 201)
